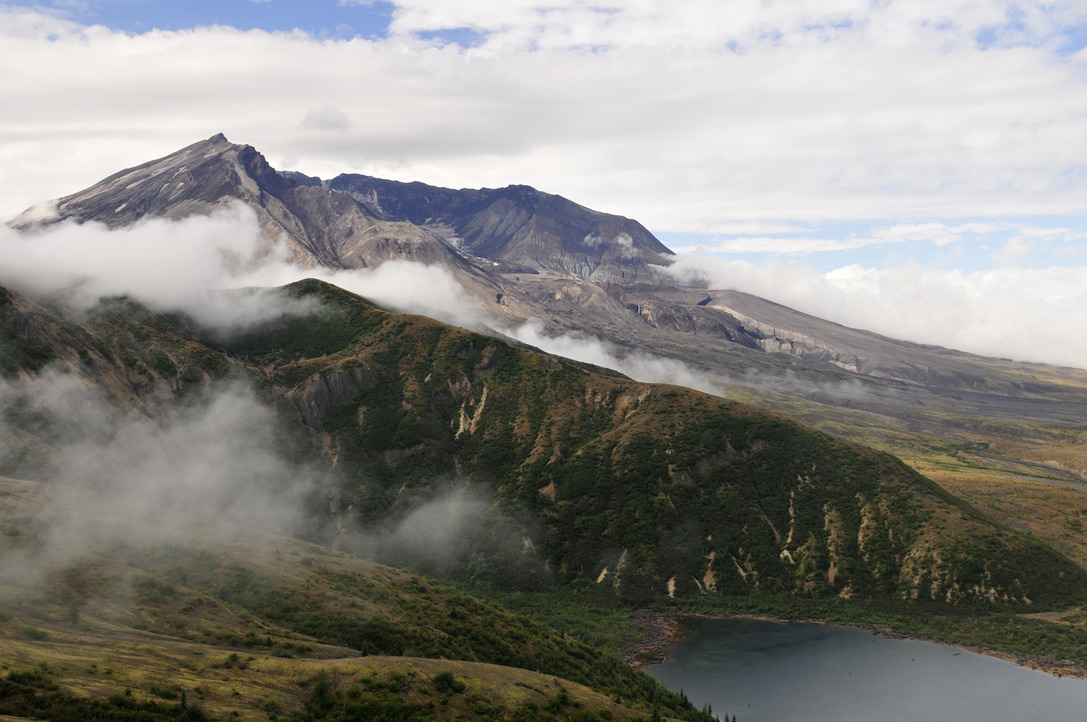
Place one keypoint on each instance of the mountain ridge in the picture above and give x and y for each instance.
(620, 487)
(519, 227)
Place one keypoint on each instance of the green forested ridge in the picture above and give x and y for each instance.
(576, 484)
(665, 488)
(621, 489)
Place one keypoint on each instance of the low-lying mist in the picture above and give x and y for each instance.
(454, 527)
(187, 265)
(216, 453)
(130, 478)
(222, 458)
(168, 265)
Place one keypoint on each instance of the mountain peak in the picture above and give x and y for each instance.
(195, 179)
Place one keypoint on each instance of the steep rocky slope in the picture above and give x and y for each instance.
(320, 227)
(520, 227)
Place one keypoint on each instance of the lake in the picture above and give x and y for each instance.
(776, 671)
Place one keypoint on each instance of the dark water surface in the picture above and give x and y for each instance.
(781, 672)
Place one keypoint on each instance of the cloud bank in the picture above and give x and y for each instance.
(687, 116)
(219, 455)
(169, 265)
(1026, 314)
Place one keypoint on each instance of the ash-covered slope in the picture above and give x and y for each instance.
(321, 227)
(520, 227)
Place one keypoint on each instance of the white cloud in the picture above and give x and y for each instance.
(1027, 314)
(1033, 243)
(828, 110)
(327, 117)
(222, 455)
(168, 265)
(938, 234)
(143, 259)
(638, 365)
(743, 23)
(774, 245)
(750, 118)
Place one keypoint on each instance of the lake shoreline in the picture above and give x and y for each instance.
(666, 629)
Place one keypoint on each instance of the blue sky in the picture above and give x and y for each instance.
(914, 167)
(371, 18)
(321, 18)
(334, 19)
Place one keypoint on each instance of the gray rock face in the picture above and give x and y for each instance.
(316, 395)
(520, 227)
(356, 221)
(322, 228)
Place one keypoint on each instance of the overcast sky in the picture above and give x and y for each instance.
(917, 168)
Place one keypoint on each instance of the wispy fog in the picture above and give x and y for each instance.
(638, 365)
(217, 460)
(168, 265)
(403, 286)
(219, 453)
(432, 534)
(789, 384)
(455, 526)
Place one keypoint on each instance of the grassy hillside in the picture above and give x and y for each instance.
(126, 611)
